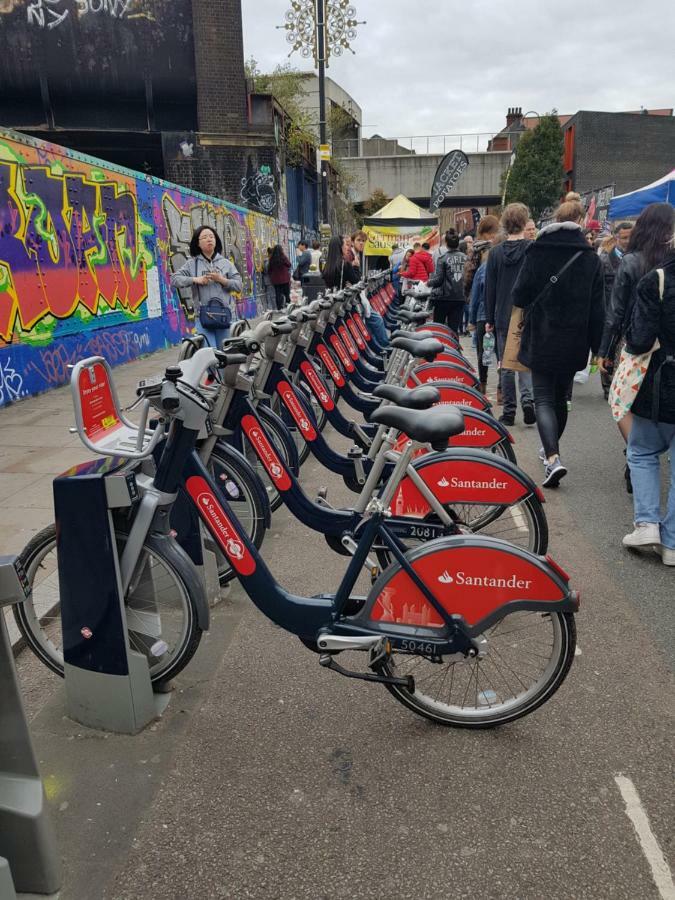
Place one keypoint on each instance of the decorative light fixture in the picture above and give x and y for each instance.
(301, 24)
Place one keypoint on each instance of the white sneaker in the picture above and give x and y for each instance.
(667, 555)
(646, 534)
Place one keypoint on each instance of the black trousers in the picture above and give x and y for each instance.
(282, 294)
(550, 401)
(450, 314)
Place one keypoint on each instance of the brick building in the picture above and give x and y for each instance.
(628, 149)
(156, 86)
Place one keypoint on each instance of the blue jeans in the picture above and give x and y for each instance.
(508, 382)
(647, 441)
(214, 337)
(376, 327)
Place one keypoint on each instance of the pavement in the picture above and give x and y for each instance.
(269, 777)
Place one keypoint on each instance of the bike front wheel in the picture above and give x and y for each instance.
(161, 615)
(527, 657)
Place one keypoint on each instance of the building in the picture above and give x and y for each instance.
(516, 126)
(626, 149)
(157, 86)
(343, 114)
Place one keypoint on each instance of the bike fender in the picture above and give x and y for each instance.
(175, 553)
(481, 431)
(443, 371)
(456, 394)
(476, 581)
(462, 476)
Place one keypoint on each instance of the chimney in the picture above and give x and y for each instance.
(515, 114)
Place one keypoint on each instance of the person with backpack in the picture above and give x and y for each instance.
(448, 284)
(560, 288)
(212, 278)
(653, 412)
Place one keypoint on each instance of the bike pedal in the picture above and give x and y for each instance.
(328, 662)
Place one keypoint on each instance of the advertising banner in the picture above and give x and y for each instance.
(450, 170)
(382, 238)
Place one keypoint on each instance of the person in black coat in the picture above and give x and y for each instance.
(561, 324)
(448, 283)
(653, 426)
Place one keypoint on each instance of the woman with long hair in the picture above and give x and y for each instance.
(649, 242)
(560, 288)
(338, 271)
(212, 278)
(653, 428)
(279, 271)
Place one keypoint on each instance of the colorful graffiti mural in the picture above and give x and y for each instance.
(86, 255)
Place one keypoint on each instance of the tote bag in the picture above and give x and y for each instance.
(631, 371)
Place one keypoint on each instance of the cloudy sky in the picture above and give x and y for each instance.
(456, 67)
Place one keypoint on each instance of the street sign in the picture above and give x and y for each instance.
(324, 152)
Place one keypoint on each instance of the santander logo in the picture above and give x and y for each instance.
(464, 579)
(329, 363)
(296, 410)
(220, 525)
(317, 385)
(266, 453)
(492, 485)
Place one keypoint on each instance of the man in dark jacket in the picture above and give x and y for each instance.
(502, 269)
(447, 281)
(303, 261)
(653, 427)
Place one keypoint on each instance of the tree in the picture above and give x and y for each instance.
(287, 86)
(373, 204)
(536, 176)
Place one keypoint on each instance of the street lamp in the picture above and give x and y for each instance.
(319, 29)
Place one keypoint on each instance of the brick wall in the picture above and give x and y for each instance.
(628, 149)
(219, 65)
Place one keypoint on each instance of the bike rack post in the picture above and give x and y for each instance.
(29, 858)
(107, 683)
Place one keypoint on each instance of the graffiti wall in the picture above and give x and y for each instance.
(86, 255)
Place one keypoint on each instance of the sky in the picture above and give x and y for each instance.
(455, 68)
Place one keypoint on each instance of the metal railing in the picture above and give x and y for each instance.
(418, 145)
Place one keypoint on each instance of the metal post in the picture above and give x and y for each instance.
(321, 54)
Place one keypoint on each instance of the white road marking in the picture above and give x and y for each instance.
(577, 650)
(636, 812)
(518, 518)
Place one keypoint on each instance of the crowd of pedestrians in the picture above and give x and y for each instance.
(566, 292)
(582, 298)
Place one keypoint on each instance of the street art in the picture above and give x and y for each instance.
(86, 256)
(52, 13)
(257, 189)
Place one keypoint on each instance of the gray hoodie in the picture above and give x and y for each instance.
(202, 293)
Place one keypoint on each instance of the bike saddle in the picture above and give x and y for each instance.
(413, 335)
(428, 426)
(427, 349)
(407, 316)
(418, 398)
(282, 326)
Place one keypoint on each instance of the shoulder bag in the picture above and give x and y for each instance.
(214, 314)
(631, 371)
(519, 316)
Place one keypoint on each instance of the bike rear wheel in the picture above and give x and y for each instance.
(159, 607)
(527, 658)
